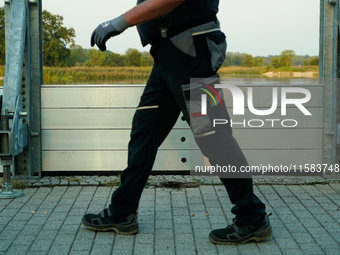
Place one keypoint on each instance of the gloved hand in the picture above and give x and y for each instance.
(108, 29)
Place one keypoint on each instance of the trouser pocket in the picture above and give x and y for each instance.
(201, 98)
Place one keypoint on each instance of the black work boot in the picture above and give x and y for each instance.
(239, 233)
(104, 222)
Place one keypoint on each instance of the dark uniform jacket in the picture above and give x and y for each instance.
(189, 14)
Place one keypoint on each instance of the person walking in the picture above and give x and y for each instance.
(186, 42)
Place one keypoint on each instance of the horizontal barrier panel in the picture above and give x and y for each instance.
(166, 160)
(108, 160)
(91, 119)
(118, 139)
(101, 96)
(122, 118)
(104, 140)
(90, 96)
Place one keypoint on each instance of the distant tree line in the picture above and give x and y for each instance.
(60, 50)
(91, 57)
(285, 59)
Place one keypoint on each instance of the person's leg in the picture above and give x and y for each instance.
(155, 116)
(220, 148)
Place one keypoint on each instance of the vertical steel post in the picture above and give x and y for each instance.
(20, 106)
(28, 163)
(328, 72)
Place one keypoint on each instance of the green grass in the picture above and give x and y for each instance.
(18, 183)
(95, 75)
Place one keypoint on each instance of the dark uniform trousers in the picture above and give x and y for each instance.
(158, 110)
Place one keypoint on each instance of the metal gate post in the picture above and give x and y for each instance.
(28, 163)
(20, 103)
(329, 73)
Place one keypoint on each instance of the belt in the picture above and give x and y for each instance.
(172, 31)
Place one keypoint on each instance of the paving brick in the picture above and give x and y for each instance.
(123, 242)
(303, 238)
(24, 240)
(53, 224)
(122, 251)
(249, 248)
(105, 238)
(311, 249)
(184, 228)
(269, 247)
(86, 234)
(332, 251)
(293, 252)
(41, 245)
(165, 252)
(204, 244)
(79, 252)
(101, 249)
(82, 245)
(186, 252)
(164, 224)
(227, 250)
(141, 249)
(69, 229)
(58, 249)
(146, 228)
(5, 244)
(164, 244)
(144, 239)
(18, 249)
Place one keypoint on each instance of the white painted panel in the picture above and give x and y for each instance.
(94, 96)
(122, 118)
(166, 160)
(108, 160)
(99, 96)
(118, 139)
(91, 119)
(82, 140)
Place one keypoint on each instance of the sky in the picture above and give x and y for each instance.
(257, 27)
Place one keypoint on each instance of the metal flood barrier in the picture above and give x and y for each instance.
(86, 127)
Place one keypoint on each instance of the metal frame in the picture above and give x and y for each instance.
(20, 115)
(329, 74)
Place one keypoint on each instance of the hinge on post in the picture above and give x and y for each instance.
(332, 2)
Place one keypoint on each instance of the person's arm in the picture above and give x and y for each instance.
(146, 11)
(149, 10)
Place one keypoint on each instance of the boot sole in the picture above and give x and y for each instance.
(259, 236)
(122, 230)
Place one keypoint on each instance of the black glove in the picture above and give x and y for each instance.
(108, 29)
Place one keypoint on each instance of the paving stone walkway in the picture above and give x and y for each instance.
(46, 220)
